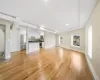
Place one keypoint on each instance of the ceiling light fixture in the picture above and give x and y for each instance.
(42, 28)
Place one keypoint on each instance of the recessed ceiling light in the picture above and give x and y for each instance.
(41, 28)
(67, 24)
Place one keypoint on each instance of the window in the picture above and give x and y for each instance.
(90, 41)
(75, 40)
(60, 40)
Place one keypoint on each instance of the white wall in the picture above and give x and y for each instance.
(15, 40)
(49, 40)
(14, 37)
(67, 39)
(33, 32)
(22, 30)
(95, 22)
(1, 40)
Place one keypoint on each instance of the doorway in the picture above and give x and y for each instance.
(90, 42)
(23, 38)
(2, 41)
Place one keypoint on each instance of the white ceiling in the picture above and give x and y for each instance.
(52, 14)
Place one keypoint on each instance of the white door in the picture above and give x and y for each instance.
(90, 41)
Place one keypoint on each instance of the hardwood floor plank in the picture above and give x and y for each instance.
(47, 64)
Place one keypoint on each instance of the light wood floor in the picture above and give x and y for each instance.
(50, 64)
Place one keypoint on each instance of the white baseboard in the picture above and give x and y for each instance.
(91, 68)
(72, 49)
(49, 47)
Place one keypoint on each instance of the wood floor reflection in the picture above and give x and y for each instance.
(48, 64)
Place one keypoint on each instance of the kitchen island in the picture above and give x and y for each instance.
(33, 46)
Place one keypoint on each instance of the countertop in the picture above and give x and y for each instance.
(35, 41)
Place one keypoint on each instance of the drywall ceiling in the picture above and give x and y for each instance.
(52, 14)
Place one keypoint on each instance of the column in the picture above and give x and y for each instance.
(7, 42)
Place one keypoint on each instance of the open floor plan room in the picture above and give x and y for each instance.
(49, 39)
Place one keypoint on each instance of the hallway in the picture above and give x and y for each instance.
(49, 64)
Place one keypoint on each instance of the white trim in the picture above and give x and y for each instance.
(91, 68)
(46, 47)
(71, 48)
